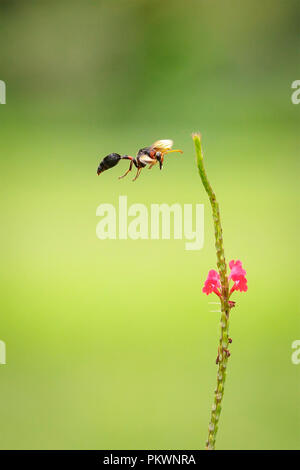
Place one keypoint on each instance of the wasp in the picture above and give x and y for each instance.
(146, 156)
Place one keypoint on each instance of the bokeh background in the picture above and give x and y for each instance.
(111, 344)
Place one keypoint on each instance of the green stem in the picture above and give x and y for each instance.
(225, 309)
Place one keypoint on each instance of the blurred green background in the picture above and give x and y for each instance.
(111, 344)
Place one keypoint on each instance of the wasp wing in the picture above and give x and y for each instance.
(145, 158)
(163, 145)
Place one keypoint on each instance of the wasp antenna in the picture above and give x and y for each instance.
(172, 151)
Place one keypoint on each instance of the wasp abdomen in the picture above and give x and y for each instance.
(109, 161)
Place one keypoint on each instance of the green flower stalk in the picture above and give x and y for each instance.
(218, 283)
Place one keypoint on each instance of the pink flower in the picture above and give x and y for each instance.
(237, 274)
(212, 283)
(236, 270)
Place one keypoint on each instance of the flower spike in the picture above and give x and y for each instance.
(219, 283)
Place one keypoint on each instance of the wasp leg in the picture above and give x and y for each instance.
(132, 161)
(151, 165)
(137, 174)
(126, 172)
